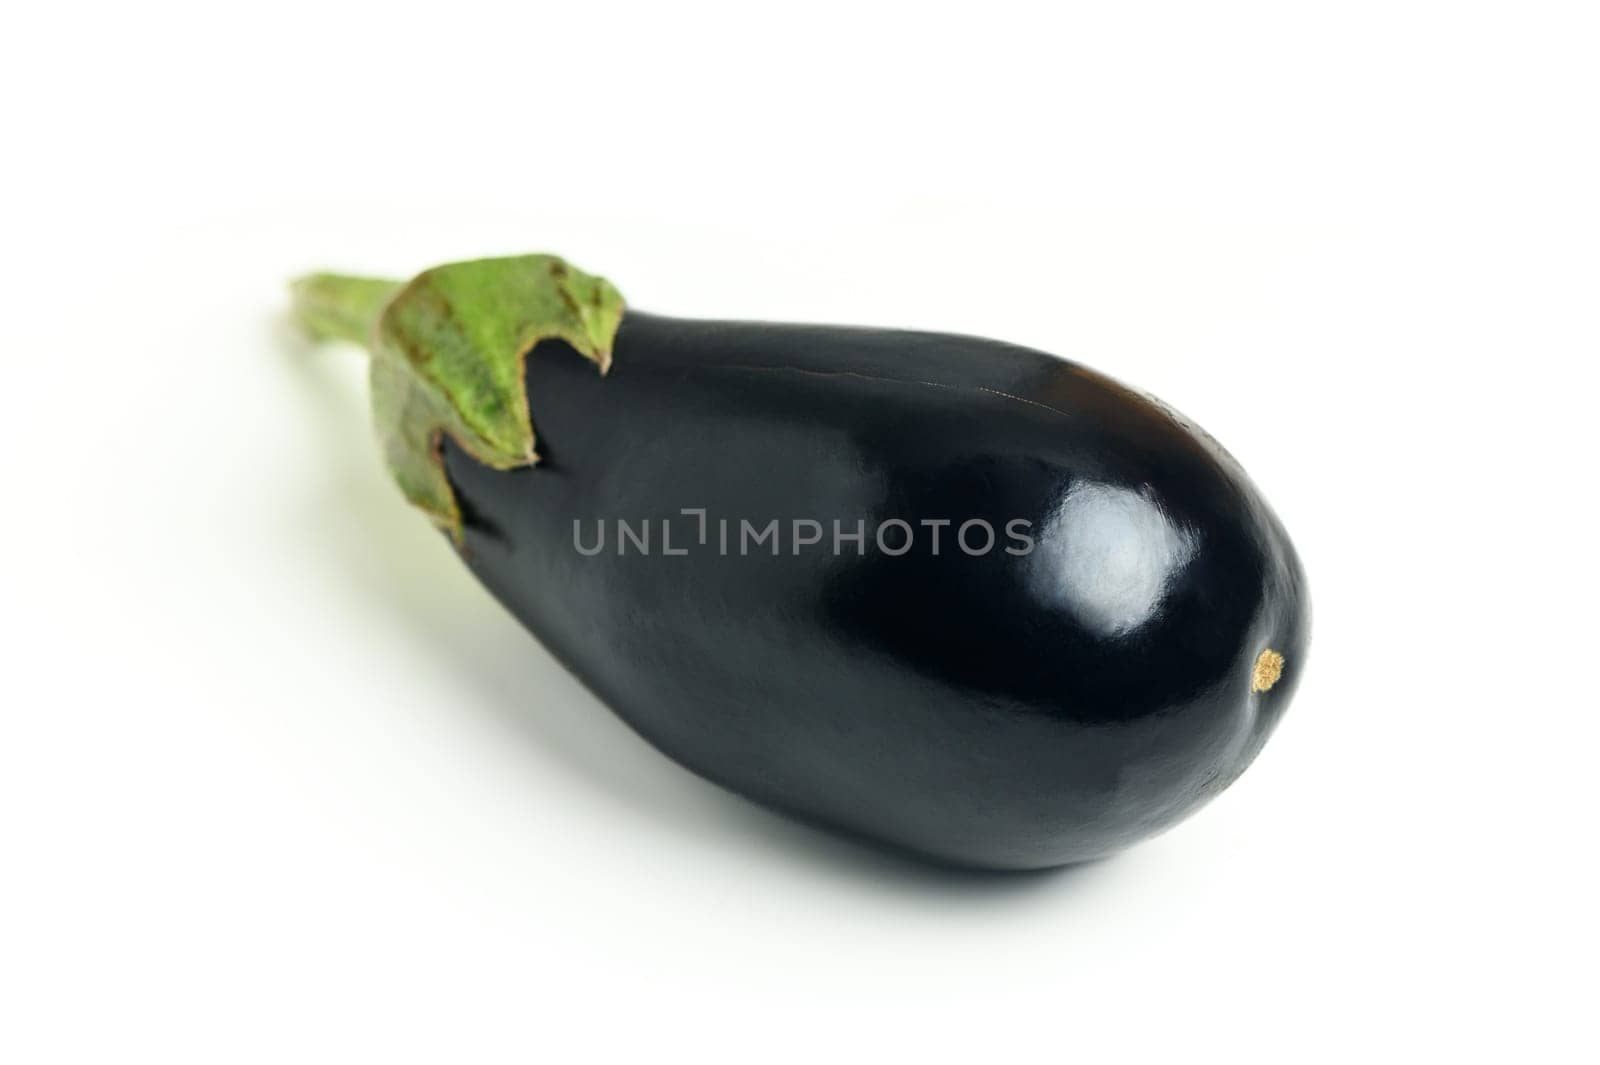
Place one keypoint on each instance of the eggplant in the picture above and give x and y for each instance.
(958, 597)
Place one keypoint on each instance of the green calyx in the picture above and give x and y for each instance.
(448, 350)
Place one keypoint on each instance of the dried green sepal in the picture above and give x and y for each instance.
(448, 357)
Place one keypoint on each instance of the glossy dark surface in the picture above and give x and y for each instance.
(1001, 711)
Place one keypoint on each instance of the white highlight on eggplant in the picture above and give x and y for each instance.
(1109, 554)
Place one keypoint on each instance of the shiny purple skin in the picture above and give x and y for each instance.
(1005, 711)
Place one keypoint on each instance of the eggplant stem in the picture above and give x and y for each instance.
(341, 307)
(448, 351)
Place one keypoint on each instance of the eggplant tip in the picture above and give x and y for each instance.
(1267, 670)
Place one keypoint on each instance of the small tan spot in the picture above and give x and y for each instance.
(1268, 668)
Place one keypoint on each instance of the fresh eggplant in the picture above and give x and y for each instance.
(956, 596)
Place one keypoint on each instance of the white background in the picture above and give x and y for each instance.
(279, 782)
